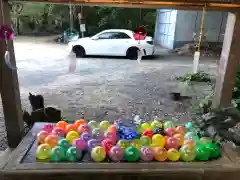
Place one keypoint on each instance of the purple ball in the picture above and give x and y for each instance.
(80, 144)
(116, 153)
(86, 136)
(146, 154)
(93, 143)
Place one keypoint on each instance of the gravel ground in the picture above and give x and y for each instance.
(117, 86)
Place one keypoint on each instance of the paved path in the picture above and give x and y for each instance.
(118, 86)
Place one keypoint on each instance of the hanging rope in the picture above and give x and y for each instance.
(201, 29)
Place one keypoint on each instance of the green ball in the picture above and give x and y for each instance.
(64, 143)
(169, 124)
(202, 153)
(214, 149)
(145, 141)
(57, 154)
(131, 154)
(205, 141)
(74, 154)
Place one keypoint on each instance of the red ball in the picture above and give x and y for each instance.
(172, 142)
(107, 144)
(148, 133)
(170, 132)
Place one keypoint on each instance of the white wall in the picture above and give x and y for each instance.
(165, 27)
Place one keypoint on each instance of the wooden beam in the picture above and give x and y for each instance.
(229, 62)
(9, 87)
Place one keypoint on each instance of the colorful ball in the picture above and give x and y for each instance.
(74, 154)
(131, 154)
(93, 143)
(71, 136)
(62, 124)
(112, 128)
(97, 134)
(145, 126)
(156, 124)
(98, 154)
(80, 144)
(57, 154)
(202, 153)
(189, 142)
(172, 143)
(205, 141)
(146, 153)
(107, 144)
(48, 127)
(191, 135)
(43, 152)
(59, 131)
(189, 126)
(64, 143)
(170, 132)
(86, 136)
(148, 133)
(180, 138)
(136, 143)
(145, 141)
(116, 153)
(173, 154)
(52, 140)
(123, 143)
(181, 130)
(93, 124)
(158, 140)
(71, 127)
(41, 136)
(83, 128)
(104, 125)
(214, 149)
(111, 135)
(169, 124)
(187, 153)
(79, 122)
(160, 154)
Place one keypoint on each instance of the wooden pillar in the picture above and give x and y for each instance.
(9, 87)
(229, 62)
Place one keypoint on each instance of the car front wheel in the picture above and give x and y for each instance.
(79, 51)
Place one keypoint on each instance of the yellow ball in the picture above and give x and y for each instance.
(173, 154)
(136, 143)
(71, 136)
(159, 140)
(98, 154)
(104, 125)
(43, 151)
(146, 126)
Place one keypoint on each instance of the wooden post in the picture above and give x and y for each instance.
(229, 62)
(9, 87)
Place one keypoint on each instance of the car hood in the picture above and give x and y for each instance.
(148, 38)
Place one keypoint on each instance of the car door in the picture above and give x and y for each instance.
(102, 44)
(120, 43)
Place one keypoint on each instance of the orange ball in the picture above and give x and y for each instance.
(71, 127)
(41, 137)
(80, 122)
(62, 124)
(52, 140)
(181, 130)
(112, 128)
(166, 138)
(180, 138)
(160, 154)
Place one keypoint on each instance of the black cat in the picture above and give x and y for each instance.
(39, 112)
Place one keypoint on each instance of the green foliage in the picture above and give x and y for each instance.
(195, 77)
(52, 18)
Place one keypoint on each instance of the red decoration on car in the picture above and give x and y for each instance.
(140, 33)
(6, 32)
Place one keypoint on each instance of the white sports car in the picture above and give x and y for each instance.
(112, 42)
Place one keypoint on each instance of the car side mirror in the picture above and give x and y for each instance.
(95, 38)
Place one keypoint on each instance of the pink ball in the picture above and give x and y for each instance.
(172, 142)
(80, 144)
(111, 135)
(107, 144)
(170, 132)
(146, 153)
(59, 131)
(116, 153)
